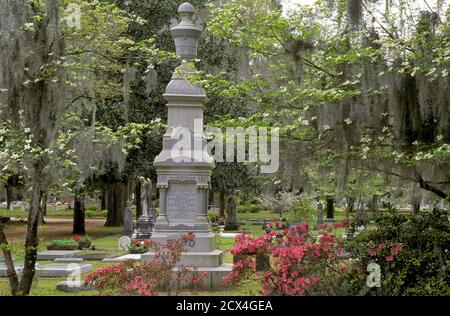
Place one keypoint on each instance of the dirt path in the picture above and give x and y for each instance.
(56, 228)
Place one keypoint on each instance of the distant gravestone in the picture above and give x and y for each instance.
(127, 221)
(319, 220)
(124, 243)
(231, 220)
(362, 218)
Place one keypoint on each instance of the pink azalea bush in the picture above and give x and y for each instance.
(296, 260)
(147, 279)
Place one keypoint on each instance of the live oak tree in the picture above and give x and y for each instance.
(51, 71)
(353, 91)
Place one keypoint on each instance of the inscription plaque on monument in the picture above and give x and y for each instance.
(182, 201)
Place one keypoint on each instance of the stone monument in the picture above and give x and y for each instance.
(127, 220)
(184, 175)
(145, 222)
(319, 221)
(146, 195)
(231, 220)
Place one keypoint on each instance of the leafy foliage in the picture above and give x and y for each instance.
(422, 265)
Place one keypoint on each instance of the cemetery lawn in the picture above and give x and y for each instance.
(105, 239)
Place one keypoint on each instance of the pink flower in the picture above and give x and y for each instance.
(381, 246)
(389, 258)
(372, 252)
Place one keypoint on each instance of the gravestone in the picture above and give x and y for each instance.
(144, 224)
(127, 221)
(319, 220)
(68, 260)
(130, 256)
(184, 176)
(124, 243)
(231, 220)
(53, 254)
(62, 269)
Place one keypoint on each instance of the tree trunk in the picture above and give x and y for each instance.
(416, 199)
(44, 204)
(11, 271)
(79, 226)
(117, 201)
(137, 193)
(32, 241)
(43, 208)
(350, 206)
(222, 204)
(103, 200)
(9, 193)
(330, 207)
(375, 205)
(41, 212)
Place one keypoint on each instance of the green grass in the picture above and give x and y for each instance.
(107, 238)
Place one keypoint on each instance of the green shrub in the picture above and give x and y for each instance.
(59, 242)
(423, 265)
(84, 242)
(301, 210)
(93, 213)
(246, 208)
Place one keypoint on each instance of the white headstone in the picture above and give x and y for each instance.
(124, 243)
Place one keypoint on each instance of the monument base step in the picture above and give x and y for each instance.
(214, 275)
(191, 258)
(74, 286)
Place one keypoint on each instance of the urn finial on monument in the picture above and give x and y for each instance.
(186, 34)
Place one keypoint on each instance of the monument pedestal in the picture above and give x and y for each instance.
(209, 262)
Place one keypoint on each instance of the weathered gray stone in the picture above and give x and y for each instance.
(124, 243)
(74, 286)
(68, 260)
(123, 258)
(319, 220)
(94, 256)
(199, 259)
(127, 221)
(62, 269)
(4, 271)
(53, 254)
